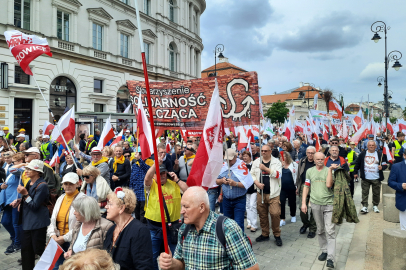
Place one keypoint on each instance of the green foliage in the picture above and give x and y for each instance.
(404, 113)
(277, 111)
(393, 120)
(347, 112)
(377, 119)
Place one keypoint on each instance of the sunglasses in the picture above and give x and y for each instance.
(264, 151)
(86, 176)
(127, 156)
(334, 142)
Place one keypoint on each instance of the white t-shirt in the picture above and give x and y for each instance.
(371, 166)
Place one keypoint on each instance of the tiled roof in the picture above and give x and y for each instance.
(224, 65)
(309, 92)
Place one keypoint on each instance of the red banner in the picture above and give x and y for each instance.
(184, 104)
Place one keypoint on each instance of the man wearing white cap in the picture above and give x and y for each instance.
(129, 138)
(20, 139)
(97, 160)
(46, 148)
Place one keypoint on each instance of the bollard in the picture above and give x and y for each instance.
(394, 246)
(390, 212)
(386, 189)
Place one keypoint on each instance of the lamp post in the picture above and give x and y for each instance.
(395, 56)
(218, 50)
(310, 88)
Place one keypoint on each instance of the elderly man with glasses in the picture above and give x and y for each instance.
(342, 151)
(334, 158)
(304, 164)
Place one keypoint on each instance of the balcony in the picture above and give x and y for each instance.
(126, 61)
(66, 46)
(101, 55)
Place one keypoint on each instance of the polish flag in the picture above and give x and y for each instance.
(345, 131)
(288, 131)
(55, 160)
(326, 127)
(25, 48)
(144, 134)
(255, 130)
(358, 119)
(298, 127)
(402, 125)
(66, 125)
(325, 134)
(390, 128)
(106, 135)
(209, 156)
(359, 134)
(388, 153)
(249, 149)
(50, 255)
(47, 127)
(250, 136)
(316, 96)
(335, 132)
(242, 139)
(117, 139)
(292, 111)
(334, 106)
(168, 145)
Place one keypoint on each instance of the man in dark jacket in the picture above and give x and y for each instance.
(371, 163)
(305, 164)
(397, 181)
(342, 151)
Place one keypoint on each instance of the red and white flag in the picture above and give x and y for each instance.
(388, 153)
(47, 128)
(49, 257)
(249, 149)
(55, 160)
(209, 157)
(25, 48)
(345, 131)
(242, 139)
(390, 127)
(333, 105)
(144, 134)
(255, 130)
(127, 110)
(359, 134)
(325, 134)
(117, 139)
(241, 171)
(106, 135)
(168, 145)
(66, 125)
(292, 111)
(316, 97)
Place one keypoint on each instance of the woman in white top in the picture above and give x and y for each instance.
(90, 229)
(288, 186)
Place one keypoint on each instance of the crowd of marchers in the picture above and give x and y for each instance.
(102, 205)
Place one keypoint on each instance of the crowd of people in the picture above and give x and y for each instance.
(106, 201)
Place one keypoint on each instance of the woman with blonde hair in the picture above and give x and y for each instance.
(288, 186)
(90, 229)
(90, 259)
(128, 241)
(95, 185)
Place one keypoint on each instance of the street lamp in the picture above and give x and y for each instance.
(395, 56)
(380, 79)
(218, 50)
(303, 94)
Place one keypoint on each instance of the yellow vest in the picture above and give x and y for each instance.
(171, 192)
(398, 147)
(350, 157)
(130, 143)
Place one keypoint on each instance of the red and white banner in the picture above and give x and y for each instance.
(144, 134)
(47, 128)
(242, 139)
(117, 139)
(388, 153)
(106, 135)
(25, 48)
(54, 160)
(292, 111)
(51, 254)
(194, 133)
(390, 128)
(66, 125)
(168, 145)
(316, 97)
(241, 171)
(333, 105)
(209, 157)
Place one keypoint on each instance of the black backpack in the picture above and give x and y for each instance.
(219, 231)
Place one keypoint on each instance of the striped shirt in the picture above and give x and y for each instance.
(201, 250)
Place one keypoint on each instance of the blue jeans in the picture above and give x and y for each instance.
(213, 195)
(65, 247)
(10, 223)
(157, 239)
(235, 209)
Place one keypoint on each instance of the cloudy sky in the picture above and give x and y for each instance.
(327, 43)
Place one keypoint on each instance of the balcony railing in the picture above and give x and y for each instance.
(127, 62)
(66, 46)
(100, 55)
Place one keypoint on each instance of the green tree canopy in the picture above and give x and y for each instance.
(277, 111)
(393, 120)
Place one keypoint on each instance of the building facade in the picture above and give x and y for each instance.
(95, 50)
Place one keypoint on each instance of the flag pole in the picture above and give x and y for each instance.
(260, 161)
(151, 120)
(56, 124)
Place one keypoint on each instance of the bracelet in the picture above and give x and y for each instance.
(177, 181)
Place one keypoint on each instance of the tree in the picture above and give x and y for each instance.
(277, 112)
(393, 120)
(404, 113)
(347, 112)
(377, 119)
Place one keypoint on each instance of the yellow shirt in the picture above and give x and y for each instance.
(62, 219)
(171, 192)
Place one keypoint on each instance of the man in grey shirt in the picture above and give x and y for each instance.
(185, 163)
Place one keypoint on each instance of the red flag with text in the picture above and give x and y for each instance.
(25, 48)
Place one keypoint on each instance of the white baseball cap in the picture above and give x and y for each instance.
(45, 136)
(32, 150)
(127, 131)
(70, 177)
(36, 165)
(20, 135)
(96, 150)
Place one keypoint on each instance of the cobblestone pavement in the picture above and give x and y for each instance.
(297, 252)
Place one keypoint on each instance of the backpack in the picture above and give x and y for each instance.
(221, 237)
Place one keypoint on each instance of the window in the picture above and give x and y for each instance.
(125, 1)
(194, 23)
(98, 107)
(62, 95)
(97, 37)
(62, 25)
(172, 60)
(171, 11)
(22, 11)
(146, 49)
(196, 31)
(20, 76)
(147, 7)
(98, 86)
(124, 45)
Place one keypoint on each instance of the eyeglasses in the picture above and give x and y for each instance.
(264, 151)
(334, 142)
(86, 176)
(311, 153)
(96, 154)
(127, 156)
